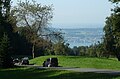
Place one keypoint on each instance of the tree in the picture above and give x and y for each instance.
(36, 18)
(4, 14)
(109, 40)
(115, 1)
(60, 48)
(5, 54)
(6, 31)
(112, 31)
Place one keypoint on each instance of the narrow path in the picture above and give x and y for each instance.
(94, 70)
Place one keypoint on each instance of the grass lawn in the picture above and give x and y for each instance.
(65, 61)
(81, 62)
(33, 73)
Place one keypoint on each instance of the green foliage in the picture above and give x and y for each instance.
(112, 32)
(61, 48)
(96, 50)
(33, 19)
(115, 1)
(8, 25)
(26, 27)
(6, 31)
(109, 41)
(4, 10)
(5, 53)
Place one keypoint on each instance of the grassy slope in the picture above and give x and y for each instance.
(32, 73)
(82, 62)
(66, 61)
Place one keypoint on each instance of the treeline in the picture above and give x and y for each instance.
(24, 30)
(95, 50)
(26, 26)
(110, 46)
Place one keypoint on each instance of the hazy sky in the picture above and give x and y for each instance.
(76, 12)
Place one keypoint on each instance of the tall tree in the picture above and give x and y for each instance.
(109, 40)
(5, 55)
(5, 25)
(5, 33)
(36, 18)
(112, 31)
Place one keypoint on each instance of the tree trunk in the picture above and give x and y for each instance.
(118, 56)
(33, 51)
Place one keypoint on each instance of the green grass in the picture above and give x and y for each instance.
(33, 73)
(65, 61)
(81, 62)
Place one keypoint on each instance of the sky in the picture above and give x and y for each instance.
(78, 12)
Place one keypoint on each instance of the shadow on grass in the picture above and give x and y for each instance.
(33, 73)
(77, 75)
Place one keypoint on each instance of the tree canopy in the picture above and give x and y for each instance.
(34, 18)
(115, 1)
(112, 31)
(6, 33)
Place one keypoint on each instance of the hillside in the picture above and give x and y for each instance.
(81, 62)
